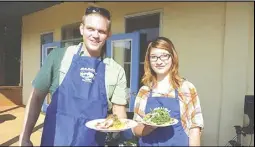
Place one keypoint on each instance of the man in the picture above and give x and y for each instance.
(81, 88)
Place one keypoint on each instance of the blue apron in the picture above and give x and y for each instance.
(165, 136)
(80, 98)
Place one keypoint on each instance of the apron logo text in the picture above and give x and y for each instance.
(87, 74)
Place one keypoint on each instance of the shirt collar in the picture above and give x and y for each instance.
(82, 53)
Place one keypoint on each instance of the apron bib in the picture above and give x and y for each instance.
(80, 98)
(165, 136)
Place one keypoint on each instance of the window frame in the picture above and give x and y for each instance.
(144, 13)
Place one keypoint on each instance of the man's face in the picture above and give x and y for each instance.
(94, 32)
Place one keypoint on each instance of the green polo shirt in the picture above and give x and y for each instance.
(54, 70)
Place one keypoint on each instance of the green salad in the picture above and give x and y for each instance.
(158, 116)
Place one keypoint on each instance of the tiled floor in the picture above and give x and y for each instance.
(11, 121)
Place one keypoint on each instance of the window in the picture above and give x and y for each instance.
(148, 26)
(71, 35)
(45, 38)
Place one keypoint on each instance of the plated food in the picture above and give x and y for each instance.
(111, 124)
(159, 117)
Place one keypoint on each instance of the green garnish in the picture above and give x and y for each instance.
(158, 116)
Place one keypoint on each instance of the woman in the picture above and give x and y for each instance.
(163, 87)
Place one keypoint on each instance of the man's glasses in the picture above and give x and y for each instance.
(101, 11)
(163, 57)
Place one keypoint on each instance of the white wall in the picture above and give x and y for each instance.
(236, 59)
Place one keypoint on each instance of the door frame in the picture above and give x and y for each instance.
(135, 60)
(144, 13)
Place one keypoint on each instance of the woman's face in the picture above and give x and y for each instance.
(160, 61)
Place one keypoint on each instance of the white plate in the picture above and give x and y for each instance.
(174, 122)
(129, 124)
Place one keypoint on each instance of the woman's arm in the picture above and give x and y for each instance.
(139, 107)
(142, 130)
(194, 136)
(196, 117)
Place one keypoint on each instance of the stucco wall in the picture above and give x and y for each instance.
(236, 49)
(215, 50)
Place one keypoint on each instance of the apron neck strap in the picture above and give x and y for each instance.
(175, 91)
(176, 94)
(80, 49)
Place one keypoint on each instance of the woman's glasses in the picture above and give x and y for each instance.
(102, 11)
(163, 57)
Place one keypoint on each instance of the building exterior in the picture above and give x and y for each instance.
(214, 40)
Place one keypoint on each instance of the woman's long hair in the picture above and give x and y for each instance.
(149, 78)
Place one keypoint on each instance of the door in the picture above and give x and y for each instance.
(46, 49)
(125, 50)
(2, 66)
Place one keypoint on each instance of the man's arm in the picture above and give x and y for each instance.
(32, 112)
(40, 89)
(119, 99)
(119, 110)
